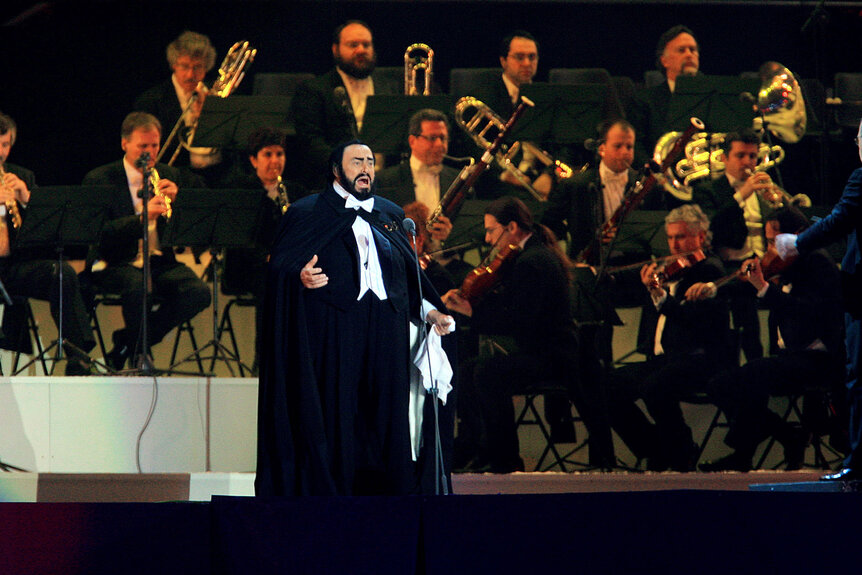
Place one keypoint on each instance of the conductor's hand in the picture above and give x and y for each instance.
(312, 277)
(455, 302)
(168, 188)
(701, 291)
(156, 206)
(442, 323)
(441, 229)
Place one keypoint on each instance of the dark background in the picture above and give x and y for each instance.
(71, 70)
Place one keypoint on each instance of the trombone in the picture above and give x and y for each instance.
(230, 74)
(418, 58)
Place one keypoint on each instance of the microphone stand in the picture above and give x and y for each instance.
(439, 467)
(145, 366)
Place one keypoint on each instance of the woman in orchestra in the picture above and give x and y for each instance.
(527, 326)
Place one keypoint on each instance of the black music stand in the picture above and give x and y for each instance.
(563, 113)
(385, 126)
(713, 99)
(216, 219)
(60, 216)
(228, 122)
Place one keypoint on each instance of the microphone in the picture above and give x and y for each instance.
(409, 226)
(143, 160)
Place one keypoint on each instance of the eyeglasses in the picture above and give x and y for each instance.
(434, 137)
(521, 57)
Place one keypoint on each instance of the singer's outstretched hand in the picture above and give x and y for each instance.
(442, 323)
(312, 277)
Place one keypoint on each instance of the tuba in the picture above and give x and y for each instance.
(782, 111)
(418, 58)
(230, 74)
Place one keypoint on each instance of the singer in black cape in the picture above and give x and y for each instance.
(322, 428)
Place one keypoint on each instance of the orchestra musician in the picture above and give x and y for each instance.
(842, 222)
(423, 177)
(688, 337)
(245, 268)
(181, 293)
(527, 315)
(330, 108)
(190, 56)
(736, 208)
(677, 53)
(30, 272)
(804, 303)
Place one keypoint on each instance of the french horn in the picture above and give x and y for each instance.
(782, 111)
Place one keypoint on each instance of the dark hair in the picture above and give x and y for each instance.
(665, 39)
(745, 136)
(426, 115)
(336, 36)
(337, 155)
(506, 43)
(7, 125)
(510, 209)
(264, 137)
(194, 45)
(790, 220)
(139, 120)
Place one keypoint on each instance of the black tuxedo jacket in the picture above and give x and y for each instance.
(700, 327)
(727, 219)
(119, 242)
(575, 207)
(396, 183)
(321, 122)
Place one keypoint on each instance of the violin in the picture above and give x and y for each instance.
(480, 281)
(771, 265)
(675, 267)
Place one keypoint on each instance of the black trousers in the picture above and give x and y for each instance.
(38, 279)
(178, 293)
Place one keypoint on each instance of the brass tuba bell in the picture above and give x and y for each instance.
(781, 102)
(418, 58)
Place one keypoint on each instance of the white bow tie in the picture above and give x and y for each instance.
(353, 202)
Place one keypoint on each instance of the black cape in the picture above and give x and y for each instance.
(305, 441)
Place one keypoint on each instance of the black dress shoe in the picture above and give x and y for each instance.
(845, 474)
(116, 358)
(75, 367)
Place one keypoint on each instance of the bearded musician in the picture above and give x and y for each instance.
(687, 327)
(528, 316)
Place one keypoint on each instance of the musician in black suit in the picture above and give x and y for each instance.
(805, 318)
(688, 326)
(843, 222)
(181, 293)
(190, 56)
(330, 108)
(423, 177)
(342, 291)
(528, 315)
(677, 53)
(734, 202)
(29, 272)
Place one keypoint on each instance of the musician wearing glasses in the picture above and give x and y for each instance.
(331, 108)
(423, 177)
(30, 273)
(181, 294)
(245, 268)
(737, 211)
(677, 54)
(190, 57)
(803, 297)
(342, 290)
